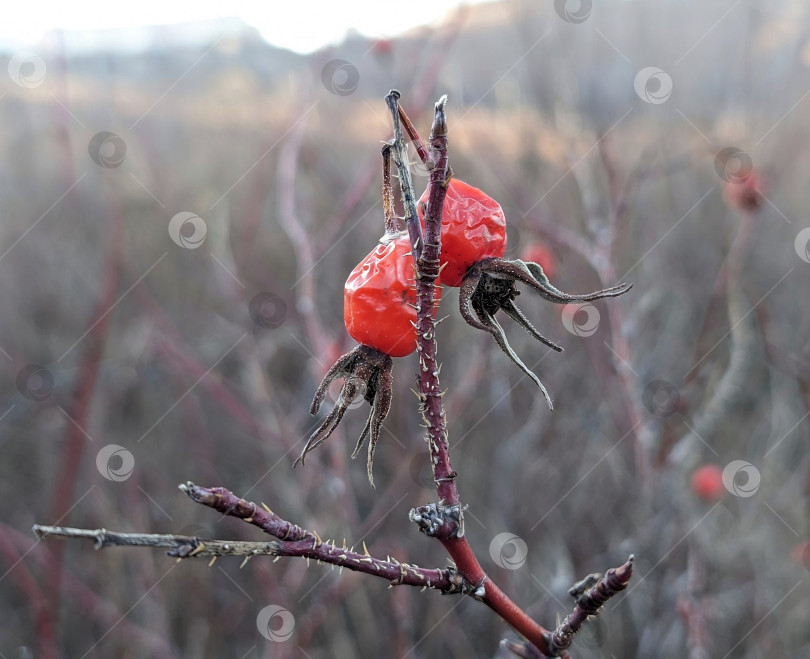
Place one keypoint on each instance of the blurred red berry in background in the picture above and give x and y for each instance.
(745, 194)
(707, 482)
(801, 554)
(382, 47)
(538, 252)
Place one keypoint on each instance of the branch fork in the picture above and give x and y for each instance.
(437, 520)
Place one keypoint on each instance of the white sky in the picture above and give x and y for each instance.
(300, 25)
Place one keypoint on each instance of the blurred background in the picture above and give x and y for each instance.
(183, 193)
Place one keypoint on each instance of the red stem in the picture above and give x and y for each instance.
(428, 268)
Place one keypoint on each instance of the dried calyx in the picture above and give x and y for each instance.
(490, 285)
(366, 373)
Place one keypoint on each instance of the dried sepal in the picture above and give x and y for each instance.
(490, 286)
(367, 372)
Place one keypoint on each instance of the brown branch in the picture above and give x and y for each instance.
(400, 154)
(391, 225)
(588, 604)
(424, 156)
(292, 540)
(591, 594)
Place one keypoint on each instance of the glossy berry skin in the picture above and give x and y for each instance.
(707, 482)
(473, 228)
(377, 295)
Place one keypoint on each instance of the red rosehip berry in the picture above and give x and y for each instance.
(378, 298)
(473, 228)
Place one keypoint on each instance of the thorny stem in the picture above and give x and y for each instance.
(590, 595)
(588, 604)
(445, 519)
(450, 531)
(292, 540)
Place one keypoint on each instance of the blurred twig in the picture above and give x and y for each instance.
(79, 408)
